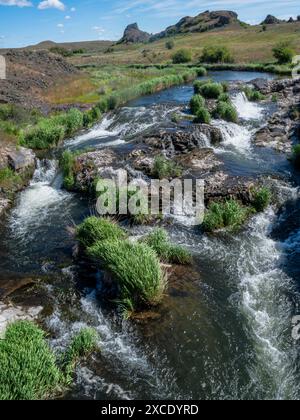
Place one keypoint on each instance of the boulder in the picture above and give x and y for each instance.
(21, 159)
(133, 35)
(10, 313)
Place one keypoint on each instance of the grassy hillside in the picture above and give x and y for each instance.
(248, 44)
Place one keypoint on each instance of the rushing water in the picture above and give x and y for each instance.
(224, 330)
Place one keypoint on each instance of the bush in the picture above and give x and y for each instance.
(72, 121)
(95, 229)
(170, 44)
(182, 56)
(201, 71)
(253, 95)
(91, 116)
(283, 53)
(199, 84)
(168, 253)
(216, 55)
(203, 116)
(227, 112)
(261, 199)
(136, 269)
(211, 90)
(28, 369)
(224, 97)
(196, 103)
(224, 215)
(47, 133)
(164, 168)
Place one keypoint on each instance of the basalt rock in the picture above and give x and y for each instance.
(133, 35)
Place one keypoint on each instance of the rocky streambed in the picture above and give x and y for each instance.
(224, 329)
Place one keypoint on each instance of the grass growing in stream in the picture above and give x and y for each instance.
(29, 369)
(158, 240)
(229, 214)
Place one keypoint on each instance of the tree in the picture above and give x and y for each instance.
(283, 53)
(182, 56)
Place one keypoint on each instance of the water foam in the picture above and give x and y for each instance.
(246, 109)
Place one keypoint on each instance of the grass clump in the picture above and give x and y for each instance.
(201, 71)
(203, 116)
(253, 95)
(83, 344)
(67, 163)
(8, 178)
(261, 199)
(165, 168)
(167, 252)
(196, 103)
(283, 53)
(46, 134)
(95, 229)
(224, 97)
(28, 369)
(198, 84)
(226, 111)
(229, 214)
(211, 90)
(136, 269)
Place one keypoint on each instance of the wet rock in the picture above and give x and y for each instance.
(10, 313)
(203, 160)
(10, 285)
(4, 205)
(261, 84)
(21, 159)
(184, 140)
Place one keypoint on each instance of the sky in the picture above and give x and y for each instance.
(27, 22)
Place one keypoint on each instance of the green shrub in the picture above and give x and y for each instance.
(211, 90)
(203, 116)
(83, 344)
(261, 199)
(136, 269)
(91, 116)
(227, 112)
(182, 56)
(224, 215)
(224, 97)
(283, 53)
(216, 55)
(95, 229)
(67, 161)
(170, 44)
(225, 86)
(28, 369)
(8, 177)
(196, 103)
(164, 168)
(61, 51)
(201, 71)
(198, 85)
(253, 95)
(168, 253)
(72, 121)
(47, 133)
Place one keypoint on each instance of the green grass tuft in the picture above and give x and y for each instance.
(167, 252)
(95, 229)
(211, 90)
(136, 269)
(253, 95)
(164, 168)
(196, 103)
(203, 116)
(224, 215)
(261, 199)
(226, 111)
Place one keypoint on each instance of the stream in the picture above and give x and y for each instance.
(225, 329)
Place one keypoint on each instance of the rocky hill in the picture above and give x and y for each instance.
(201, 23)
(29, 73)
(133, 34)
(272, 20)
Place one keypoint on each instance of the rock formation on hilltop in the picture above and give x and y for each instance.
(271, 20)
(200, 23)
(133, 34)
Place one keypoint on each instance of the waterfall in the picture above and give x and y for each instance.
(246, 109)
(234, 135)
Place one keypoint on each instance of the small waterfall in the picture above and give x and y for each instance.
(37, 201)
(246, 109)
(234, 135)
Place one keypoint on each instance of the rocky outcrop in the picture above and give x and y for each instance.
(271, 20)
(10, 313)
(133, 35)
(184, 140)
(282, 126)
(201, 23)
(21, 159)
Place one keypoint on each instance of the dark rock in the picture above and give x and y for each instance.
(261, 84)
(203, 22)
(133, 35)
(271, 20)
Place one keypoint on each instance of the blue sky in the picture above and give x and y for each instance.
(25, 22)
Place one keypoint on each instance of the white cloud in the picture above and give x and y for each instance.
(73, 9)
(18, 3)
(68, 17)
(60, 25)
(51, 4)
